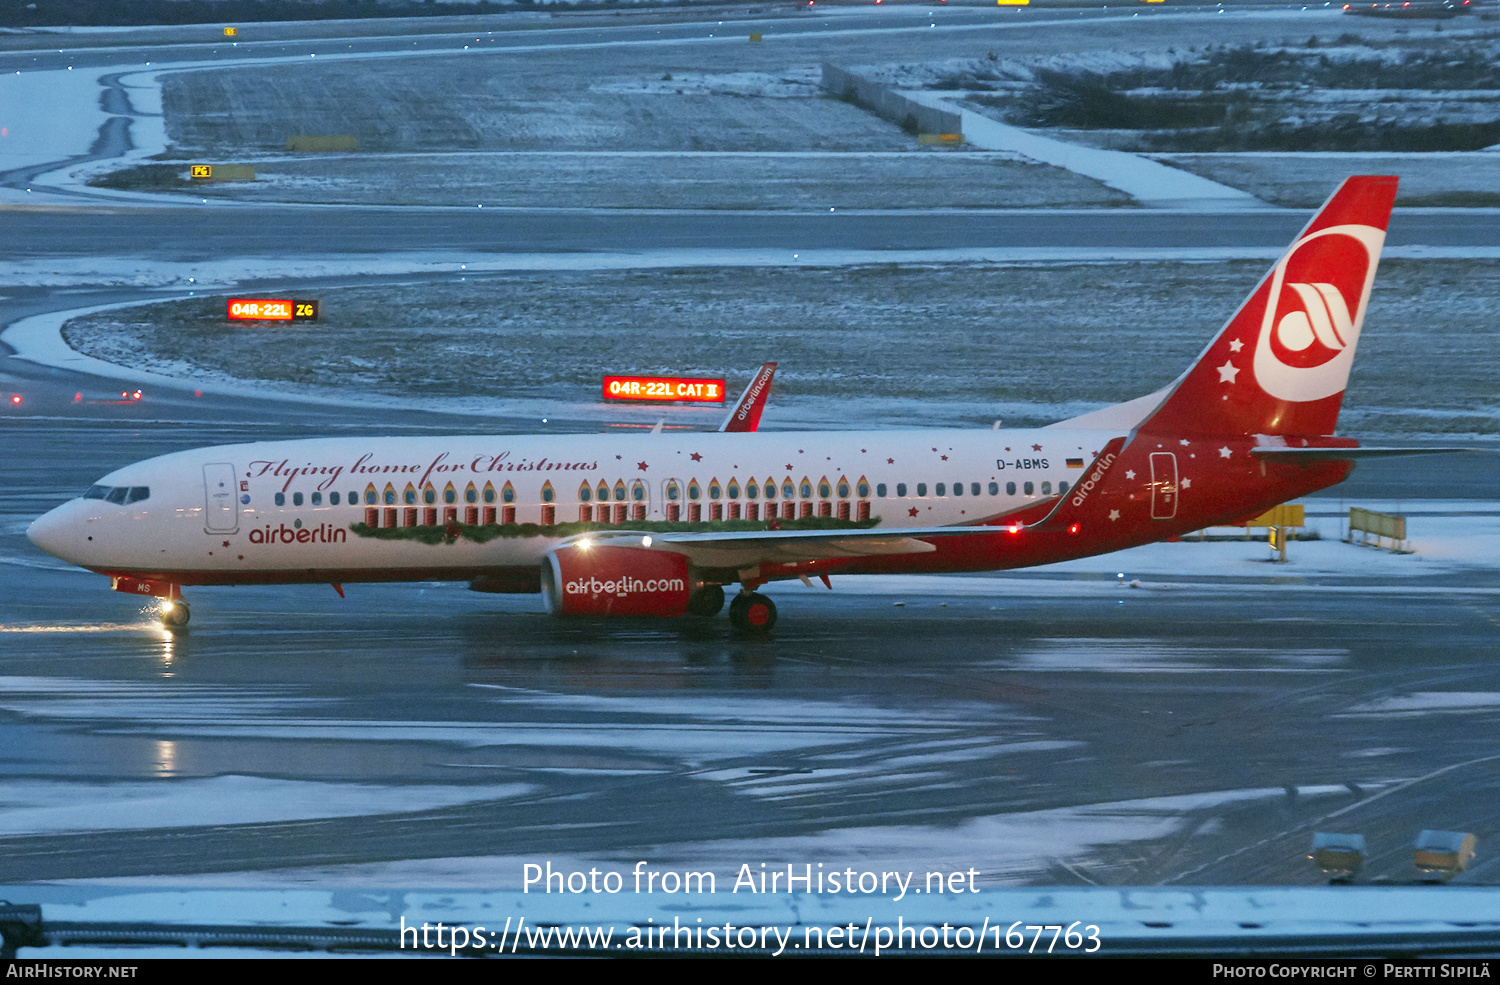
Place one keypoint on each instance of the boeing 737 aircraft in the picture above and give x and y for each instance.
(658, 524)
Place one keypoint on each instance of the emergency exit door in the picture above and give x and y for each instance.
(1163, 485)
(220, 514)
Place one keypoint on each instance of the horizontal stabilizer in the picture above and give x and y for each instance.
(1350, 454)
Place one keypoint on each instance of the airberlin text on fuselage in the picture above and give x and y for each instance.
(1082, 490)
(323, 533)
(440, 465)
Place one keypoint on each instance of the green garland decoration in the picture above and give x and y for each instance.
(484, 532)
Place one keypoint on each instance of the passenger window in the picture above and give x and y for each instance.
(921, 489)
(788, 491)
(429, 496)
(994, 489)
(714, 492)
(973, 489)
(138, 493)
(317, 498)
(471, 495)
(638, 492)
(450, 496)
(941, 489)
(333, 499)
(958, 489)
(96, 492)
(354, 498)
(1062, 487)
(548, 493)
(411, 497)
(771, 490)
(900, 489)
(880, 490)
(751, 489)
(1010, 489)
(281, 499)
(1030, 488)
(807, 490)
(1046, 489)
(296, 499)
(489, 494)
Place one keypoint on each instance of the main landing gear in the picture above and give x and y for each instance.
(753, 613)
(174, 614)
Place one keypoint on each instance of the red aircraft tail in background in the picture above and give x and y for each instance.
(746, 413)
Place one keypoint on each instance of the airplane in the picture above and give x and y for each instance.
(658, 524)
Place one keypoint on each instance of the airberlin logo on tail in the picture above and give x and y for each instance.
(624, 586)
(1309, 329)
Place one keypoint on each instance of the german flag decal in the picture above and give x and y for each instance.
(1075, 463)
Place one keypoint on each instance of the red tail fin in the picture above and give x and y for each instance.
(746, 414)
(1281, 364)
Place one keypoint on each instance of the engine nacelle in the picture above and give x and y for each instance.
(602, 580)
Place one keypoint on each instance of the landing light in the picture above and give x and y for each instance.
(584, 544)
(645, 541)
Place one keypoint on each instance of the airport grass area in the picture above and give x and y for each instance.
(883, 346)
(913, 179)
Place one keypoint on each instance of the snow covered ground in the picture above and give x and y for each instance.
(859, 342)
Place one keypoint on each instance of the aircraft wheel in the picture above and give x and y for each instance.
(752, 612)
(706, 601)
(175, 615)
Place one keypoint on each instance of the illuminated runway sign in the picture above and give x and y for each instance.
(664, 388)
(271, 309)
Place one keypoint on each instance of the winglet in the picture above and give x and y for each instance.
(746, 413)
(1078, 502)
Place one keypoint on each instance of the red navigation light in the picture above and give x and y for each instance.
(1073, 528)
(15, 399)
(664, 389)
(1014, 528)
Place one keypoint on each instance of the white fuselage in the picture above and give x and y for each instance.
(294, 508)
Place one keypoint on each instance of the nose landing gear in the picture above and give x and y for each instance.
(174, 614)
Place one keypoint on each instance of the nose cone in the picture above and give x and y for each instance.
(57, 533)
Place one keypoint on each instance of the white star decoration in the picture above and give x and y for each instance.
(1236, 345)
(1184, 443)
(1228, 372)
(1187, 483)
(1114, 514)
(1224, 452)
(1130, 473)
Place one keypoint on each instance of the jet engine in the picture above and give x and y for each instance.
(587, 579)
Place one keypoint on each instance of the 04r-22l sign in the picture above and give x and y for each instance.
(271, 309)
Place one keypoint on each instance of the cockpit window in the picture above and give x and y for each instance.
(122, 495)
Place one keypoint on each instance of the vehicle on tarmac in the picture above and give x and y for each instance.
(660, 524)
